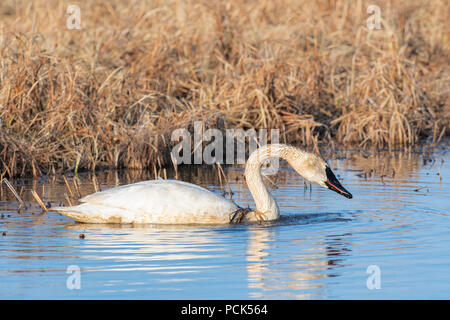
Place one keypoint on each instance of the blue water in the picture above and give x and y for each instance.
(398, 222)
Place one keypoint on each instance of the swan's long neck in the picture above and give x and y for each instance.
(264, 201)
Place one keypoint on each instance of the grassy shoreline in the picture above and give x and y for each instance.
(111, 94)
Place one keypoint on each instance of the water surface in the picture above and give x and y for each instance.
(321, 248)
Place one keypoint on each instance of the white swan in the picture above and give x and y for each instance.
(177, 202)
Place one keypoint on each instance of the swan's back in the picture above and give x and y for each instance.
(153, 201)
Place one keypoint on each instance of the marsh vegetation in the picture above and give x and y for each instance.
(111, 93)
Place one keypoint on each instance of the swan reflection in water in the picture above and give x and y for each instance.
(175, 254)
(293, 276)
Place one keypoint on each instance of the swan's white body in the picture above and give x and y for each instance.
(178, 202)
(153, 201)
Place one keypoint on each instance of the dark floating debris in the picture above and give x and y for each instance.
(82, 236)
(4, 233)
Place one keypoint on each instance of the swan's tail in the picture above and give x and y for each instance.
(91, 213)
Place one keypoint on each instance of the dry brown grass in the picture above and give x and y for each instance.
(112, 93)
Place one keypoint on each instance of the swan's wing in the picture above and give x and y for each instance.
(155, 195)
(154, 201)
(140, 190)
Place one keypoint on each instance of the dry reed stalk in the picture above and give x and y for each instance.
(39, 201)
(68, 187)
(95, 183)
(220, 180)
(272, 183)
(222, 173)
(75, 184)
(69, 203)
(11, 188)
(175, 165)
(155, 174)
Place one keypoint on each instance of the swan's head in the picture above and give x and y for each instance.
(313, 168)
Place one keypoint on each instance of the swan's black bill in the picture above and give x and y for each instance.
(333, 184)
